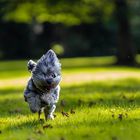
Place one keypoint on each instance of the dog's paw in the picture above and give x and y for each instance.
(50, 117)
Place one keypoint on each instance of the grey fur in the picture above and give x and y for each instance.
(42, 90)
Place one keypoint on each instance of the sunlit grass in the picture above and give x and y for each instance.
(104, 106)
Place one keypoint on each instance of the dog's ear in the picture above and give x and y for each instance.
(51, 57)
(31, 64)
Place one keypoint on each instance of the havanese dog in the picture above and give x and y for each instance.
(42, 90)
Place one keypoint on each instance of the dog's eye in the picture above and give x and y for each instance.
(53, 75)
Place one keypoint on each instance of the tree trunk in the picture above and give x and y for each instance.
(126, 51)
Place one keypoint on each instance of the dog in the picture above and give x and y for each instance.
(42, 90)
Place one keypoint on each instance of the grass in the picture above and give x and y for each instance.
(100, 102)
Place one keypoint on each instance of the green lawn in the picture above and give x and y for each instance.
(101, 102)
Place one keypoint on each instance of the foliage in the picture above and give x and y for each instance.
(32, 27)
(70, 13)
(101, 108)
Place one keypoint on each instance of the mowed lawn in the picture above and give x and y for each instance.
(98, 101)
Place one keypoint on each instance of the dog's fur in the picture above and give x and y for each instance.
(42, 90)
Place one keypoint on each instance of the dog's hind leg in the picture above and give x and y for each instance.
(46, 112)
(39, 113)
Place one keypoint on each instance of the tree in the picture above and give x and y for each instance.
(76, 12)
(126, 50)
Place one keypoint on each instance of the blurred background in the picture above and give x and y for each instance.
(97, 42)
(76, 28)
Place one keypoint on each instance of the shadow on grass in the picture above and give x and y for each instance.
(127, 85)
(28, 124)
(122, 93)
(102, 125)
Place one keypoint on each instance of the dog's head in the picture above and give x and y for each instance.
(46, 73)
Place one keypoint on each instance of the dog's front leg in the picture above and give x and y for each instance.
(51, 111)
(33, 100)
(48, 111)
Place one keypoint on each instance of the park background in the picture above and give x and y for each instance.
(97, 42)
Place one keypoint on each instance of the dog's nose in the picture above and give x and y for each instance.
(49, 81)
